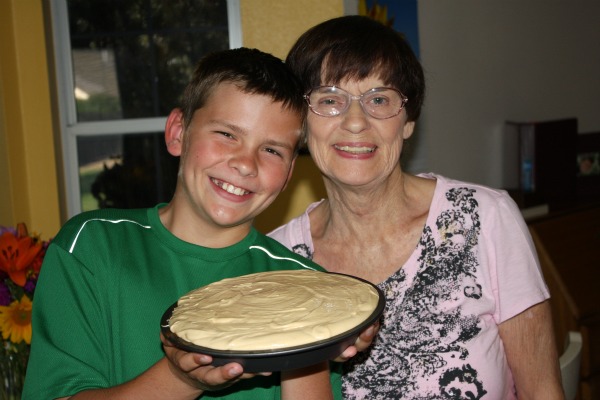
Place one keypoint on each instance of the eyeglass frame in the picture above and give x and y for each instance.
(352, 97)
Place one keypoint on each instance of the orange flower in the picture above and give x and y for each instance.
(16, 254)
(15, 320)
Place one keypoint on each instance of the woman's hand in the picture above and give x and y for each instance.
(363, 342)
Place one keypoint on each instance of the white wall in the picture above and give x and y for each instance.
(490, 61)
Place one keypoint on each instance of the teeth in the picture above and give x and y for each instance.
(230, 188)
(356, 150)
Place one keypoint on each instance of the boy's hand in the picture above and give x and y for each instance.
(195, 369)
(364, 340)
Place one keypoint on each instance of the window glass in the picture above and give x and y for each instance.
(125, 171)
(132, 58)
(121, 66)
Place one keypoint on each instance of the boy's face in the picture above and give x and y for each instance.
(236, 156)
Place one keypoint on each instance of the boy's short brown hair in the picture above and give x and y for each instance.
(252, 70)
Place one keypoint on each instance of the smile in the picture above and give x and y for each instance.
(355, 150)
(229, 188)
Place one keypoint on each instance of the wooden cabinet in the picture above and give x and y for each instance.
(568, 246)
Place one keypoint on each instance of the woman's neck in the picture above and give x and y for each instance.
(371, 234)
(360, 209)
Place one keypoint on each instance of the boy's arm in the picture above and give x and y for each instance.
(166, 381)
(156, 383)
(307, 383)
(163, 380)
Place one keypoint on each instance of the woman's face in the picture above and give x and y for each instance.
(354, 148)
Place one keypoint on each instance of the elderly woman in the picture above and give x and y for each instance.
(467, 314)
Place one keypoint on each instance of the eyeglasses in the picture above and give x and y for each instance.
(380, 102)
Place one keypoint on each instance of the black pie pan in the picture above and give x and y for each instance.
(278, 359)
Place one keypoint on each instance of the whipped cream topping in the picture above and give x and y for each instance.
(272, 310)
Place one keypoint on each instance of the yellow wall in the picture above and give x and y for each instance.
(6, 193)
(28, 175)
(29, 182)
(273, 26)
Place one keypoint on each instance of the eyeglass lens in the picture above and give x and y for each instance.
(379, 103)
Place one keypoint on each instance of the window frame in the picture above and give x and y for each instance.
(68, 127)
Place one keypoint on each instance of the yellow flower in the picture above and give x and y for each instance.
(15, 320)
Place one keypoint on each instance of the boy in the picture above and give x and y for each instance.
(110, 274)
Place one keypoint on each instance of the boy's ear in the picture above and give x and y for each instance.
(174, 132)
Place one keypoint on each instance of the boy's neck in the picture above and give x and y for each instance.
(197, 231)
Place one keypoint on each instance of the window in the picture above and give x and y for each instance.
(120, 67)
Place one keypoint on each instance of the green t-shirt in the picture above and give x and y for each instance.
(107, 278)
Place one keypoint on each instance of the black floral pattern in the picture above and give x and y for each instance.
(424, 323)
(303, 250)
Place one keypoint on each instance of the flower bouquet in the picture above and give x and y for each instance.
(21, 256)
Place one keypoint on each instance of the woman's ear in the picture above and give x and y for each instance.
(174, 130)
(409, 128)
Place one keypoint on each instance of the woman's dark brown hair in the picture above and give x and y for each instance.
(356, 47)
